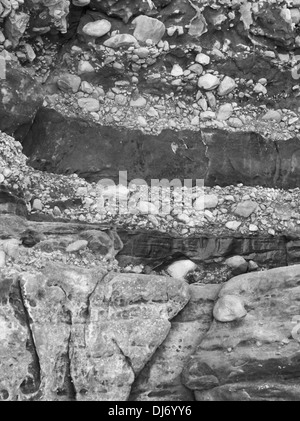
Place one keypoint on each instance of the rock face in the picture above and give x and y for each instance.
(88, 335)
(256, 357)
(160, 380)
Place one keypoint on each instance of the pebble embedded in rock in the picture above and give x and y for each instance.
(181, 269)
(229, 308)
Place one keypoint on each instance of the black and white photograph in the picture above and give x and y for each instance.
(150, 203)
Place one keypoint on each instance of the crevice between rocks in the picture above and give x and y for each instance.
(31, 384)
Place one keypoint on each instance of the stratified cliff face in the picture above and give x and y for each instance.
(107, 293)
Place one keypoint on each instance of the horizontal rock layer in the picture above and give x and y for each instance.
(65, 145)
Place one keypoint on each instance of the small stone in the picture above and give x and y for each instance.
(121, 40)
(238, 265)
(76, 246)
(142, 121)
(210, 201)
(273, 115)
(97, 28)
(229, 308)
(208, 82)
(139, 102)
(147, 208)
(89, 104)
(176, 71)
(226, 86)
(225, 112)
(69, 83)
(202, 59)
(147, 28)
(233, 225)
(85, 67)
(37, 205)
(181, 269)
(245, 209)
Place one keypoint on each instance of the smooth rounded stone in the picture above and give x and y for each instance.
(121, 40)
(2, 178)
(210, 201)
(97, 29)
(86, 87)
(76, 246)
(273, 115)
(147, 208)
(148, 28)
(142, 121)
(245, 209)
(176, 71)
(183, 218)
(142, 52)
(139, 102)
(235, 122)
(85, 67)
(2, 259)
(226, 86)
(37, 205)
(69, 82)
(233, 225)
(238, 265)
(196, 68)
(253, 228)
(181, 269)
(225, 112)
(203, 59)
(120, 192)
(208, 82)
(89, 104)
(260, 89)
(228, 309)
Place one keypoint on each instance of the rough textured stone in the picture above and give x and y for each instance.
(90, 335)
(148, 28)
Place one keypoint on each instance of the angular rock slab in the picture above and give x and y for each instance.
(257, 357)
(128, 320)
